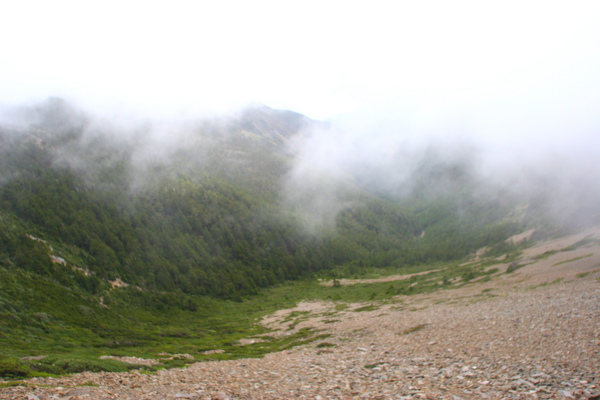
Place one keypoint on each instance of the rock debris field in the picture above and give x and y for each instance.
(530, 334)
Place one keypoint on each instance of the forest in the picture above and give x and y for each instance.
(208, 219)
(149, 236)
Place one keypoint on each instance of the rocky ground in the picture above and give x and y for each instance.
(530, 334)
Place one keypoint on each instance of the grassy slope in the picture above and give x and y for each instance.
(80, 330)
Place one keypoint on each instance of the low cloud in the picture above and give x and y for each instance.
(558, 178)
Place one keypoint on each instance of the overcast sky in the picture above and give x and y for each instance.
(491, 69)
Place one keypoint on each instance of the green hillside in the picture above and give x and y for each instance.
(106, 229)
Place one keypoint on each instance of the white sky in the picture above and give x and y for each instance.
(488, 68)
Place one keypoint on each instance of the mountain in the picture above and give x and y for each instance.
(105, 223)
(198, 206)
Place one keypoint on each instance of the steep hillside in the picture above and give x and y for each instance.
(105, 221)
(184, 207)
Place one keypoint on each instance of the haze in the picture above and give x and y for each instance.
(492, 69)
(517, 80)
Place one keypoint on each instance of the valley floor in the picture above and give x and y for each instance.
(530, 334)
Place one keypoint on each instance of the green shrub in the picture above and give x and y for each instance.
(513, 267)
(45, 368)
(60, 366)
(13, 368)
(76, 366)
(413, 329)
(324, 345)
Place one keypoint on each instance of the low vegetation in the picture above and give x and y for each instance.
(413, 329)
(73, 332)
(572, 259)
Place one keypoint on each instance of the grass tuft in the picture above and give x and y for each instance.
(572, 259)
(413, 329)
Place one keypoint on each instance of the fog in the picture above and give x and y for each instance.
(553, 178)
(332, 169)
(508, 91)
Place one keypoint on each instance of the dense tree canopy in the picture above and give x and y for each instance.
(207, 217)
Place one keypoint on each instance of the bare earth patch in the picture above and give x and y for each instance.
(530, 334)
(391, 278)
(133, 360)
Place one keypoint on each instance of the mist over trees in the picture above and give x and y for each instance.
(229, 205)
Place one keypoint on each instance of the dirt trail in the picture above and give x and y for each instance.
(390, 278)
(530, 334)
